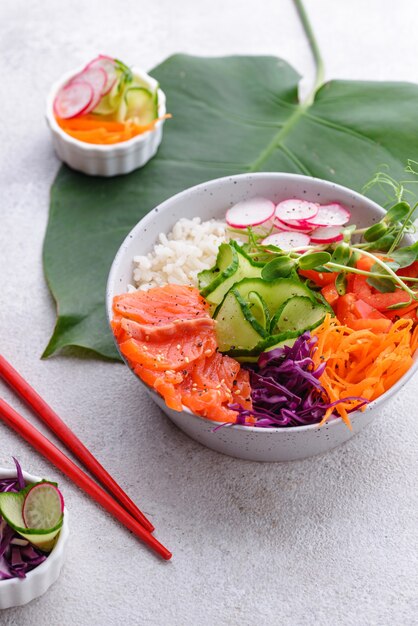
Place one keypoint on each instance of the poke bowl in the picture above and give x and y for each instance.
(210, 201)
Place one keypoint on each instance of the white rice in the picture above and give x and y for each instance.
(178, 257)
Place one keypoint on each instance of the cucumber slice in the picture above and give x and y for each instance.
(237, 328)
(274, 341)
(141, 105)
(298, 314)
(120, 115)
(245, 310)
(321, 300)
(226, 265)
(273, 292)
(156, 102)
(205, 277)
(282, 343)
(106, 106)
(246, 268)
(109, 104)
(124, 71)
(11, 509)
(295, 316)
(259, 309)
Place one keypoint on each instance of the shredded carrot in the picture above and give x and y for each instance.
(90, 122)
(362, 363)
(94, 129)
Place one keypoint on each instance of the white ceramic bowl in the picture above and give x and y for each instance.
(18, 591)
(105, 160)
(210, 200)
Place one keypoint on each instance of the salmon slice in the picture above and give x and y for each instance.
(206, 387)
(129, 329)
(167, 384)
(242, 385)
(175, 351)
(207, 404)
(178, 391)
(161, 305)
(215, 383)
(219, 369)
(168, 338)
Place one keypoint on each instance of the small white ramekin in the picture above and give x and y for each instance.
(19, 591)
(105, 160)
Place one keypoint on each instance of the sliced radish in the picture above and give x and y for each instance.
(251, 212)
(326, 234)
(287, 240)
(294, 209)
(330, 215)
(297, 223)
(296, 229)
(73, 99)
(97, 96)
(94, 76)
(43, 506)
(108, 65)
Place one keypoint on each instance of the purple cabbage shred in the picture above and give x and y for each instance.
(286, 389)
(17, 556)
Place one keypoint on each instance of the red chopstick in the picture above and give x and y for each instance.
(13, 419)
(71, 441)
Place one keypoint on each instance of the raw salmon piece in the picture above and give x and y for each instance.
(214, 370)
(242, 390)
(209, 400)
(167, 384)
(129, 329)
(173, 352)
(171, 393)
(150, 376)
(168, 338)
(214, 381)
(161, 305)
(207, 404)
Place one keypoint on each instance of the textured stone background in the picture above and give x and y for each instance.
(329, 541)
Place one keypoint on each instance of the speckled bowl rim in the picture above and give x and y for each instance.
(100, 148)
(56, 554)
(279, 176)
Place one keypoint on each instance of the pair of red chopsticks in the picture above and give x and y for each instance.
(128, 514)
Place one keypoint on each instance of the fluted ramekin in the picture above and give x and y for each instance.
(105, 160)
(19, 591)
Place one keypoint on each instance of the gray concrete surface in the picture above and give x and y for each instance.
(328, 541)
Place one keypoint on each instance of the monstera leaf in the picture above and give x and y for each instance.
(230, 115)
